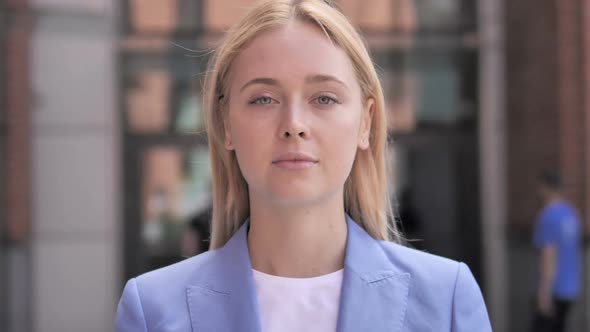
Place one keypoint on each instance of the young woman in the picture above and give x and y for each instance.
(300, 236)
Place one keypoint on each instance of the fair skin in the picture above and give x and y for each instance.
(292, 90)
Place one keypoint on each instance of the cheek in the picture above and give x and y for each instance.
(250, 141)
(251, 135)
(345, 129)
(341, 141)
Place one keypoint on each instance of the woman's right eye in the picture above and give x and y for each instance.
(261, 101)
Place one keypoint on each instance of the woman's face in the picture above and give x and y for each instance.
(296, 116)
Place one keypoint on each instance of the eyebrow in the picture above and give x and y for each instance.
(324, 78)
(308, 79)
(260, 80)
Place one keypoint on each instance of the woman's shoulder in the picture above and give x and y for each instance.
(178, 274)
(160, 296)
(440, 283)
(429, 269)
(413, 258)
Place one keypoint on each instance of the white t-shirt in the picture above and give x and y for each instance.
(298, 304)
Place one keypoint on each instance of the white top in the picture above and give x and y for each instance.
(298, 304)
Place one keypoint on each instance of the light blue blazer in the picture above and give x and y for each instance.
(386, 287)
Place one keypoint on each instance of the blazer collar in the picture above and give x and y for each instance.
(222, 295)
(374, 291)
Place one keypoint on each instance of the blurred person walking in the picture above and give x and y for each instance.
(557, 238)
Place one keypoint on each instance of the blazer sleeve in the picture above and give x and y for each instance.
(469, 309)
(130, 316)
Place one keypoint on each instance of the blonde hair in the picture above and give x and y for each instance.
(366, 191)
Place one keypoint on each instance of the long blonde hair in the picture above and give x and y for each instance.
(366, 191)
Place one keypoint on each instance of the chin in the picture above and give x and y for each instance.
(297, 196)
(294, 198)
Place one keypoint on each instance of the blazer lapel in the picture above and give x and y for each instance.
(222, 296)
(374, 292)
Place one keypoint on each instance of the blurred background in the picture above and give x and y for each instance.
(104, 169)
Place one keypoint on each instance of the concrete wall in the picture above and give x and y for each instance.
(75, 241)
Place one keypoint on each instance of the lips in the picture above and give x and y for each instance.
(295, 157)
(295, 161)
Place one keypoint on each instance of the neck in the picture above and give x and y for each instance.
(552, 198)
(297, 242)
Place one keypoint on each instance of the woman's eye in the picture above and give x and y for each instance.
(325, 100)
(262, 101)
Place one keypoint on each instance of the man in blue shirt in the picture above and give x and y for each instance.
(557, 236)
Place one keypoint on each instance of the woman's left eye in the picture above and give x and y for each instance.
(325, 100)
(262, 101)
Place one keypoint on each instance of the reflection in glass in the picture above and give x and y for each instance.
(188, 114)
(150, 15)
(438, 13)
(441, 84)
(386, 15)
(176, 187)
(425, 87)
(148, 102)
(400, 91)
(221, 14)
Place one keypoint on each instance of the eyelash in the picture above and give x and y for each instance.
(332, 100)
(255, 100)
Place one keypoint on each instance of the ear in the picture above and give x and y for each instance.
(227, 143)
(366, 120)
(227, 140)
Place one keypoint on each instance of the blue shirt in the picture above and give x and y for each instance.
(559, 225)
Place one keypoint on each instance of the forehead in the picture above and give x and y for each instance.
(293, 51)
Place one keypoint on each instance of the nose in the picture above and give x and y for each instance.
(294, 132)
(293, 123)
